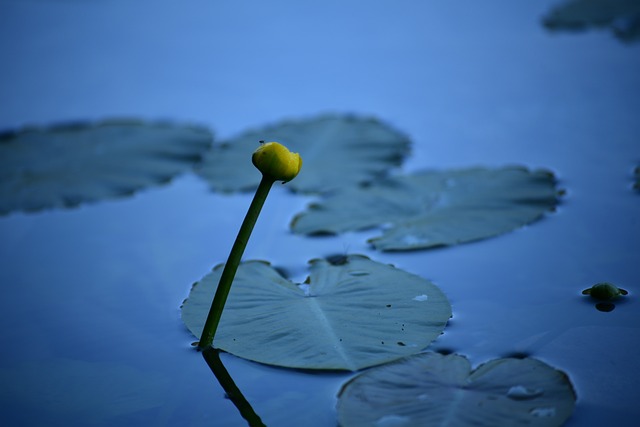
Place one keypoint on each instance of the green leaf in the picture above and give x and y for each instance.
(432, 208)
(336, 151)
(353, 314)
(66, 165)
(430, 389)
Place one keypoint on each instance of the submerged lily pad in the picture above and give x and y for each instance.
(66, 165)
(346, 316)
(336, 150)
(622, 17)
(432, 208)
(430, 389)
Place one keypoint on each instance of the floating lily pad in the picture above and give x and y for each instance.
(346, 316)
(336, 151)
(430, 389)
(432, 208)
(622, 17)
(636, 177)
(66, 165)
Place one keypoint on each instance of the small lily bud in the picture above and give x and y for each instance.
(604, 291)
(275, 161)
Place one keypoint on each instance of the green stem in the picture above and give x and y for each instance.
(230, 268)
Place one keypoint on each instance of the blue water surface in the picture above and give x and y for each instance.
(89, 318)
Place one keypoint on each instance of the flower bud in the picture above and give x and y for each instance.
(604, 291)
(275, 161)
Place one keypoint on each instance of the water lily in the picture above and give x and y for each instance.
(276, 163)
(604, 291)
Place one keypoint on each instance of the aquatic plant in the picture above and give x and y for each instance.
(276, 163)
(604, 291)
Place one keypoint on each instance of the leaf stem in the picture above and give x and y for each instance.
(231, 266)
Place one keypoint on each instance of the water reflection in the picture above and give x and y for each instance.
(212, 357)
(605, 306)
(605, 293)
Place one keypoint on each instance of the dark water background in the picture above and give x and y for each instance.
(89, 317)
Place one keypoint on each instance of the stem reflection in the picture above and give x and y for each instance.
(212, 357)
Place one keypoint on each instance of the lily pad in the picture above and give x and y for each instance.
(346, 316)
(69, 164)
(336, 150)
(622, 17)
(636, 177)
(430, 389)
(435, 208)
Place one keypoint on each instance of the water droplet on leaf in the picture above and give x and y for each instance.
(543, 412)
(519, 392)
(411, 240)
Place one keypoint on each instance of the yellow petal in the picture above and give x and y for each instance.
(275, 161)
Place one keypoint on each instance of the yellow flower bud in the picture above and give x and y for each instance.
(275, 161)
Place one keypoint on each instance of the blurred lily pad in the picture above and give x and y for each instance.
(622, 17)
(68, 392)
(336, 150)
(434, 208)
(346, 315)
(69, 164)
(430, 389)
(636, 177)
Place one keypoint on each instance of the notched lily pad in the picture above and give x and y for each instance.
(69, 164)
(345, 316)
(621, 17)
(431, 389)
(336, 150)
(435, 208)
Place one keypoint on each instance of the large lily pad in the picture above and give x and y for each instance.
(434, 208)
(66, 165)
(336, 151)
(347, 316)
(430, 389)
(622, 17)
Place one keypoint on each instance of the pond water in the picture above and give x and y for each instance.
(90, 318)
